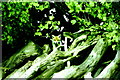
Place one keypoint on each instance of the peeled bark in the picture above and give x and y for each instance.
(92, 60)
(42, 63)
(98, 71)
(19, 72)
(111, 68)
(48, 72)
(30, 50)
(48, 65)
(77, 40)
(53, 68)
(87, 65)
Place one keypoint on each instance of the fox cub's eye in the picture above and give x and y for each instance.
(56, 38)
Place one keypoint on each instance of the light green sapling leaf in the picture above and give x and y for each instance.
(73, 22)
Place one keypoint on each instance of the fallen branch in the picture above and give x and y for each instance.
(87, 65)
(30, 50)
(110, 69)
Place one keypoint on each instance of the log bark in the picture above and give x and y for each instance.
(111, 68)
(44, 63)
(41, 64)
(77, 40)
(30, 50)
(47, 73)
(87, 65)
(19, 72)
(54, 68)
(92, 60)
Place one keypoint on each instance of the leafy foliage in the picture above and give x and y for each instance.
(16, 19)
(17, 24)
(99, 18)
(107, 27)
(36, 21)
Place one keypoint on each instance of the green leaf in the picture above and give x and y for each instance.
(73, 22)
(99, 15)
(46, 26)
(116, 39)
(113, 47)
(58, 23)
(56, 27)
(17, 12)
(71, 10)
(104, 19)
(35, 4)
(91, 4)
(38, 33)
(40, 26)
(99, 11)
(49, 22)
(41, 7)
(109, 42)
(51, 17)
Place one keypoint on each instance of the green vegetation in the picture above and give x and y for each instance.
(16, 19)
(61, 27)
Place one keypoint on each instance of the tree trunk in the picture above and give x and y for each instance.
(111, 68)
(29, 51)
(41, 63)
(54, 64)
(87, 66)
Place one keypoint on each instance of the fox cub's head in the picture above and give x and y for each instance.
(56, 38)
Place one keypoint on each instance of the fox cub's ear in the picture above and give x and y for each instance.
(55, 36)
